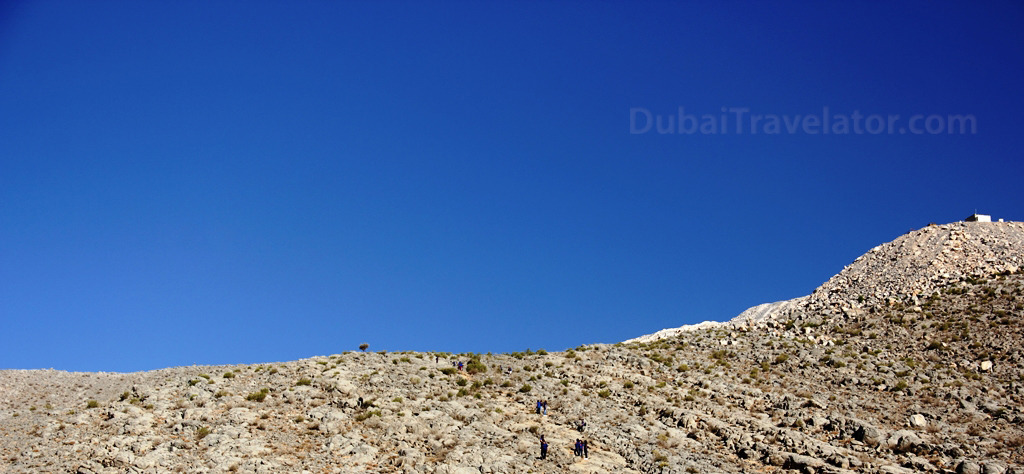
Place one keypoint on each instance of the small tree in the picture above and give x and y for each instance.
(364, 346)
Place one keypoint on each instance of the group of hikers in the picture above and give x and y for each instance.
(462, 366)
(581, 448)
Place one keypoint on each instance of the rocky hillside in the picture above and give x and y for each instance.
(919, 375)
(902, 271)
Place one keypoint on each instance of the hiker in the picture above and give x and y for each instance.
(577, 449)
(510, 370)
(360, 403)
(460, 366)
(545, 407)
(582, 425)
(538, 406)
(586, 449)
(543, 448)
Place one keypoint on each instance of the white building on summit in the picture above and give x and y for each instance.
(978, 218)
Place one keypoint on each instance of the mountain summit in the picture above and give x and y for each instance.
(902, 271)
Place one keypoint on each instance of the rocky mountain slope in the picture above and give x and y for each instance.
(910, 360)
(913, 265)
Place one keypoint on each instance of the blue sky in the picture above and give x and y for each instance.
(236, 182)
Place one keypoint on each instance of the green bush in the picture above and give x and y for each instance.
(604, 393)
(258, 396)
(367, 414)
(720, 354)
(229, 375)
(304, 381)
(92, 404)
(525, 388)
(476, 367)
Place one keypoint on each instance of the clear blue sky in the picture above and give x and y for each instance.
(229, 182)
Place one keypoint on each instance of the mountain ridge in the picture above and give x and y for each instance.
(908, 360)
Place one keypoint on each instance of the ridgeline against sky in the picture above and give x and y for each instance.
(226, 183)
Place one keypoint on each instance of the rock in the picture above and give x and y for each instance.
(815, 403)
(868, 434)
(904, 441)
(803, 463)
(986, 366)
(894, 470)
(918, 421)
(777, 458)
(817, 421)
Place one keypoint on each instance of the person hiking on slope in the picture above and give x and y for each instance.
(539, 405)
(543, 448)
